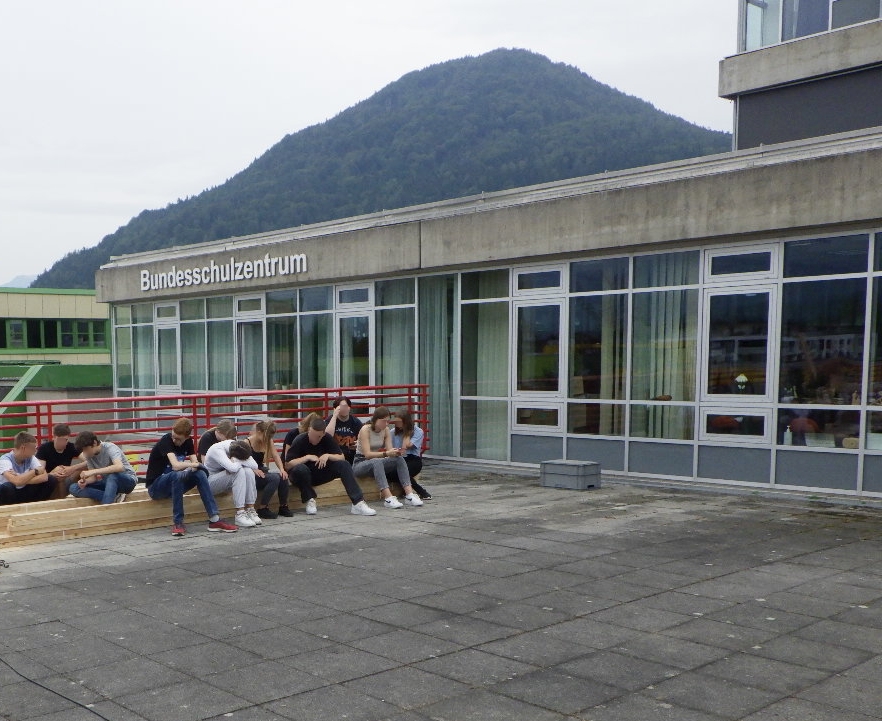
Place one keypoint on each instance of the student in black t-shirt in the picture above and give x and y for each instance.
(343, 426)
(58, 458)
(314, 458)
(173, 469)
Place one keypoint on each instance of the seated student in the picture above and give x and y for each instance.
(223, 431)
(301, 427)
(172, 470)
(108, 476)
(264, 451)
(22, 477)
(375, 455)
(58, 457)
(408, 435)
(313, 459)
(231, 469)
(343, 426)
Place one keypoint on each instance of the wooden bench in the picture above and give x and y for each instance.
(27, 523)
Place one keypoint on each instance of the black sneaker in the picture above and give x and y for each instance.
(284, 511)
(266, 513)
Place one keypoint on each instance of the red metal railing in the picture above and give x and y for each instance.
(135, 423)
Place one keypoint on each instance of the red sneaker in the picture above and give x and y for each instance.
(222, 525)
(178, 530)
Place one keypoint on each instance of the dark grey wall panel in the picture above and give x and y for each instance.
(731, 463)
(609, 454)
(660, 459)
(535, 449)
(837, 104)
(873, 474)
(817, 469)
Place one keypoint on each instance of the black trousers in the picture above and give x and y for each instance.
(306, 475)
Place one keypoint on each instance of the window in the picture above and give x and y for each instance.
(826, 256)
(822, 341)
(597, 275)
(484, 284)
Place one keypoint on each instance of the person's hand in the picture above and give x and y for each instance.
(321, 461)
(259, 473)
(59, 472)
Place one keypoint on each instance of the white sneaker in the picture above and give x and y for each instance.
(311, 508)
(252, 514)
(362, 509)
(393, 502)
(413, 500)
(243, 520)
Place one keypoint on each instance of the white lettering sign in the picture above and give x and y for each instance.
(229, 272)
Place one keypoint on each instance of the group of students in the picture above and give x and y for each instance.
(319, 450)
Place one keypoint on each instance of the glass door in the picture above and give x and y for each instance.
(737, 355)
(737, 369)
(537, 390)
(250, 347)
(354, 349)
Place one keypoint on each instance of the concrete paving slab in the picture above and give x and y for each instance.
(631, 601)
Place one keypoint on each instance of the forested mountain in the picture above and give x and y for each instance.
(501, 120)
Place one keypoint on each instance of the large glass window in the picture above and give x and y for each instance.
(875, 394)
(193, 355)
(437, 354)
(762, 23)
(395, 346)
(355, 350)
(142, 352)
(664, 345)
(597, 346)
(538, 348)
(605, 419)
(281, 348)
(485, 349)
(221, 375)
(123, 357)
(822, 341)
(653, 271)
(485, 430)
(249, 336)
(484, 284)
(167, 356)
(281, 301)
(826, 256)
(595, 275)
(394, 292)
(850, 12)
(663, 422)
(316, 350)
(805, 17)
(738, 343)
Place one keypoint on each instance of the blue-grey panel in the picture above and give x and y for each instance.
(817, 469)
(873, 473)
(534, 449)
(609, 454)
(731, 463)
(660, 459)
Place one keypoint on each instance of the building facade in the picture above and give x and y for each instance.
(715, 319)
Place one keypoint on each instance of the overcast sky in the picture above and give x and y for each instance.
(111, 107)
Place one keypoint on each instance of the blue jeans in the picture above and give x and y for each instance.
(175, 484)
(105, 490)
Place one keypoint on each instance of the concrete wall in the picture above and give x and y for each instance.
(824, 184)
(798, 60)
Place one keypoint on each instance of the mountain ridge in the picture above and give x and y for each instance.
(505, 119)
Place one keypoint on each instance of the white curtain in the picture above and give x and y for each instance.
(436, 345)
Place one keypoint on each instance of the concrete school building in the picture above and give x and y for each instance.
(714, 319)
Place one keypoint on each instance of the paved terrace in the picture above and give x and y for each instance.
(497, 600)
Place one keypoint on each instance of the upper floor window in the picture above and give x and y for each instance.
(767, 22)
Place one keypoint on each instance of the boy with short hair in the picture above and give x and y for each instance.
(58, 457)
(22, 477)
(173, 469)
(108, 477)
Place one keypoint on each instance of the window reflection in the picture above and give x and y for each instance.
(822, 341)
(819, 427)
(826, 256)
(602, 419)
(597, 346)
(538, 348)
(738, 339)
